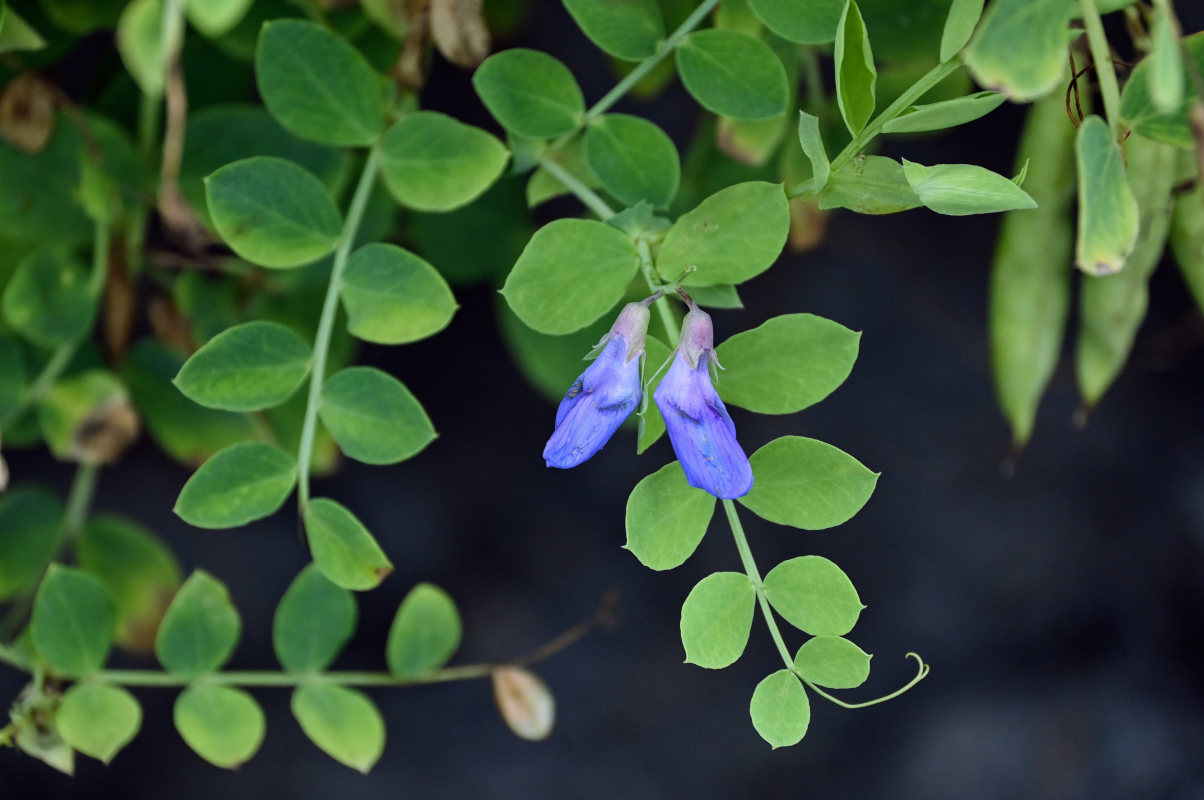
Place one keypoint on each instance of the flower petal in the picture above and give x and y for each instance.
(702, 432)
(595, 406)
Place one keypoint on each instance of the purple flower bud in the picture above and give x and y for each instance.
(603, 396)
(700, 429)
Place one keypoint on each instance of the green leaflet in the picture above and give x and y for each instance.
(1108, 215)
(666, 518)
(1020, 47)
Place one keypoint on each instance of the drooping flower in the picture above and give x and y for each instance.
(604, 395)
(700, 429)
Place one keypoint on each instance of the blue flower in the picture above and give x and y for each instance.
(700, 429)
(603, 396)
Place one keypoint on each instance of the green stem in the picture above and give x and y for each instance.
(83, 489)
(921, 674)
(585, 194)
(641, 69)
(251, 678)
(867, 134)
(663, 309)
(1104, 71)
(7, 656)
(63, 354)
(754, 575)
(330, 306)
(750, 568)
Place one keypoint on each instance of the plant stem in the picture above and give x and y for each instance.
(7, 656)
(330, 307)
(1104, 72)
(83, 489)
(268, 679)
(641, 69)
(668, 321)
(63, 354)
(585, 194)
(750, 568)
(644, 67)
(867, 134)
(921, 674)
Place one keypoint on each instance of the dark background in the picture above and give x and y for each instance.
(1062, 610)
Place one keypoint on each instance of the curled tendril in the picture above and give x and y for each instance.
(921, 674)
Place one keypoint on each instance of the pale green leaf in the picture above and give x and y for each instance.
(200, 629)
(248, 367)
(47, 299)
(733, 74)
(273, 212)
(780, 709)
(225, 726)
(717, 618)
(242, 483)
(343, 549)
(98, 720)
(343, 722)
(73, 622)
(959, 26)
(786, 364)
(140, 43)
(373, 416)
(571, 273)
(732, 236)
(1108, 215)
(807, 484)
(1020, 47)
(394, 297)
(313, 622)
(138, 571)
(432, 162)
(856, 76)
(833, 661)
(666, 518)
(946, 113)
(530, 93)
(814, 595)
(30, 532)
(317, 84)
(870, 185)
(627, 29)
(424, 634)
(962, 189)
(801, 21)
(633, 158)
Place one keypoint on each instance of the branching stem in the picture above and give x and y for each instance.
(917, 90)
(754, 575)
(641, 69)
(585, 194)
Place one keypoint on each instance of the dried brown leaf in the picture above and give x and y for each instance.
(459, 31)
(105, 433)
(27, 109)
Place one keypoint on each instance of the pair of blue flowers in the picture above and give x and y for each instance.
(700, 429)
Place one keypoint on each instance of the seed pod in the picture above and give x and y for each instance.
(1111, 307)
(1030, 277)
